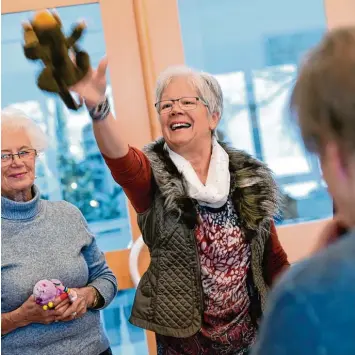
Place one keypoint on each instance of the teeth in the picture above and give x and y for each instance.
(180, 125)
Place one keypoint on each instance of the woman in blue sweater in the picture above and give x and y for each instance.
(45, 240)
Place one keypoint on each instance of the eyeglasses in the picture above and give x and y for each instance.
(185, 103)
(25, 155)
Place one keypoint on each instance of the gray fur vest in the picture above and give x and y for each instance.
(169, 298)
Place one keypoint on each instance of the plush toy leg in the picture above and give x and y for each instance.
(82, 63)
(31, 47)
(69, 100)
(47, 82)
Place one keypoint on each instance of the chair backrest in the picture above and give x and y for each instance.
(136, 248)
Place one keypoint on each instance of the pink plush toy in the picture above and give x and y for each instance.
(45, 291)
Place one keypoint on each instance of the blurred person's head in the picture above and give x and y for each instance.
(21, 141)
(323, 102)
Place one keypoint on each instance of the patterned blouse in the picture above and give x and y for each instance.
(227, 328)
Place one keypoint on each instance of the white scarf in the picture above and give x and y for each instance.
(216, 190)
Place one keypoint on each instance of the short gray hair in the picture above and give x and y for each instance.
(14, 119)
(205, 84)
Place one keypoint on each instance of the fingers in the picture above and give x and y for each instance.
(47, 317)
(73, 311)
(31, 299)
(34, 313)
(68, 312)
(77, 308)
(60, 310)
(61, 300)
(81, 310)
(102, 67)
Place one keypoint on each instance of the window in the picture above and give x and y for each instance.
(72, 168)
(253, 48)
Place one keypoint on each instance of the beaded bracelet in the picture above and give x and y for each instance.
(101, 111)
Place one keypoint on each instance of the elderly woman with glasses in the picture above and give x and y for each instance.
(45, 240)
(206, 214)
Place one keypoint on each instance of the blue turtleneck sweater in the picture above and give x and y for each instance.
(51, 240)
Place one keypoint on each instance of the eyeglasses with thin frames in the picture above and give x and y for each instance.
(186, 103)
(25, 155)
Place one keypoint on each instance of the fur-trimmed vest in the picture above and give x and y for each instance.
(169, 298)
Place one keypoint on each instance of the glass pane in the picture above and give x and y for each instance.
(253, 50)
(125, 338)
(73, 168)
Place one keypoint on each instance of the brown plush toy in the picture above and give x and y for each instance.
(45, 41)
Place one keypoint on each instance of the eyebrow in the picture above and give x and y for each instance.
(9, 151)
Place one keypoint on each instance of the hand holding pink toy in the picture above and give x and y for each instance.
(45, 291)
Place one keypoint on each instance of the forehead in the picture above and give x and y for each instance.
(178, 87)
(14, 139)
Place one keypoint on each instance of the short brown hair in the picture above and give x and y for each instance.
(323, 99)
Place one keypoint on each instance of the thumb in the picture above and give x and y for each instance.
(102, 67)
(31, 299)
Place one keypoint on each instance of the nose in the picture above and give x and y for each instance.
(176, 109)
(16, 161)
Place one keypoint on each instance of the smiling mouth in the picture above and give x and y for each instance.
(17, 176)
(176, 126)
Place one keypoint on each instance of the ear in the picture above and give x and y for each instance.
(214, 120)
(334, 161)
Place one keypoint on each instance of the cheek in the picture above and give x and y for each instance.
(4, 181)
(163, 123)
(163, 120)
(3, 175)
(31, 168)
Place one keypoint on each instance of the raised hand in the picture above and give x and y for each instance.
(92, 87)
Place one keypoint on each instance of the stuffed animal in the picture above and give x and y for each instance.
(45, 291)
(45, 41)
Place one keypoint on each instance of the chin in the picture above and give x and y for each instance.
(178, 139)
(23, 185)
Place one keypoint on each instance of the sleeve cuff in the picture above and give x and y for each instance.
(106, 290)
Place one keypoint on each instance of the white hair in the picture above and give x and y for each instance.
(14, 119)
(206, 85)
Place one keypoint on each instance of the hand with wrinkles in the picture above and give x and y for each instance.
(69, 311)
(31, 312)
